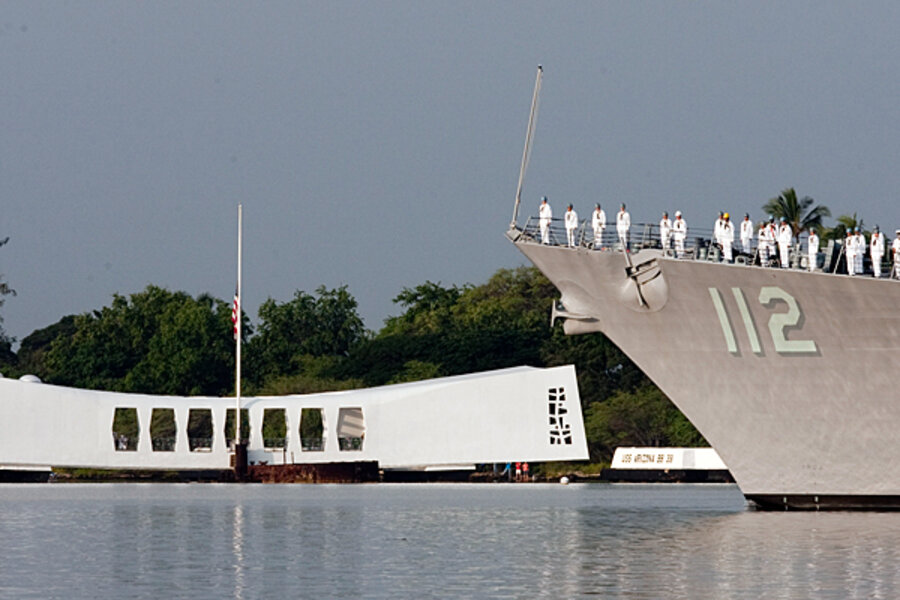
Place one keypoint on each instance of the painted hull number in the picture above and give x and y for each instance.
(779, 322)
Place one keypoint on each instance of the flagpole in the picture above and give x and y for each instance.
(237, 330)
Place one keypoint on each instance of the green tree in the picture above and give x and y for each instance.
(416, 370)
(312, 375)
(800, 214)
(428, 309)
(191, 352)
(155, 341)
(501, 323)
(324, 325)
(644, 417)
(34, 347)
(602, 369)
(844, 224)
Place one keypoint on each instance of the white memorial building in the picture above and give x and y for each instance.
(522, 413)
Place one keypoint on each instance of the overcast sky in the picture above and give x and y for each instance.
(377, 144)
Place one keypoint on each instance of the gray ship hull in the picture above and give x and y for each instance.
(791, 376)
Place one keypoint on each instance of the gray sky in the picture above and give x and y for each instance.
(377, 144)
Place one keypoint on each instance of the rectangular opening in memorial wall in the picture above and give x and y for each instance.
(200, 430)
(229, 426)
(312, 430)
(163, 430)
(125, 429)
(274, 428)
(351, 429)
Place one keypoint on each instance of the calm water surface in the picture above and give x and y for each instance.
(438, 541)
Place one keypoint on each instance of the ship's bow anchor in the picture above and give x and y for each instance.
(644, 288)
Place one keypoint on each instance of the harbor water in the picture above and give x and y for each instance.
(432, 540)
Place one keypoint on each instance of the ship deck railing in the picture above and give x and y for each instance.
(699, 245)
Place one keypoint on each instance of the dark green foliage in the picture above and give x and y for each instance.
(155, 341)
(312, 429)
(8, 358)
(162, 429)
(502, 323)
(229, 425)
(125, 429)
(200, 428)
(327, 325)
(274, 427)
(33, 349)
(845, 223)
(416, 370)
(602, 368)
(427, 309)
(643, 417)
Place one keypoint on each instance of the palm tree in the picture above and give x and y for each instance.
(845, 223)
(797, 212)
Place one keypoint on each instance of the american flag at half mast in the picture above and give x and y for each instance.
(235, 313)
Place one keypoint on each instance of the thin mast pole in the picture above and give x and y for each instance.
(237, 325)
(529, 134)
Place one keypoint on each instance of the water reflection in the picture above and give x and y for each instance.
(237, 547)
(430, 540)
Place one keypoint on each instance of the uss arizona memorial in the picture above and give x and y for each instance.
(520, 413)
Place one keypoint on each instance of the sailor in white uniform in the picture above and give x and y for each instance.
(895, 248)
(679, 233)
(850, 252)
(785, 233)
(717, 229)
(623, 224)
(546, 216)
(746, 233)
(726, 237)
(860, 251)
(598, 223)
(665, 230)
(571, 225)
(876, 251)
(812, 249)
(762, 244)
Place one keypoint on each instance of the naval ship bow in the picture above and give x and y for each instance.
(789, 373)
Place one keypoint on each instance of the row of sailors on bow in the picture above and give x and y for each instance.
(770, 235)
(781, 234)
(678, 229)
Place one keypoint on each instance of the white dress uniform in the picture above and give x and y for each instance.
(895, 248)
(598, 223)
(623, 224)
(762, 244)
(746, 234)
(860, 252)
(665, 231)
(785, 233)
(771, 239)
(571, 225)
(679, 233)
(850, 253)
(726, 238)
(546, 216)
(876, 251)
(812, 250)
(717, 230)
